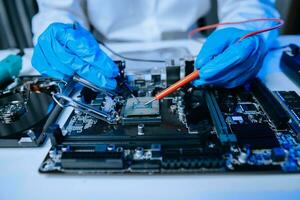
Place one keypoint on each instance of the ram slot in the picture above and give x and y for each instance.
(218, 120)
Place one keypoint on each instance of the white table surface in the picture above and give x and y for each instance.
(20, 179)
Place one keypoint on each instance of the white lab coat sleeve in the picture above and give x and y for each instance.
(239, 10)
(64, 11)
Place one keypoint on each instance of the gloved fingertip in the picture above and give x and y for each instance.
(110, 84)
(109, 68)
(199, 82)
(199, 62)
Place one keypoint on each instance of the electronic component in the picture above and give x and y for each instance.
(290, 101)
(173, 74)
(135, 111)
(189, 66)
(141, 129)
(278, 154)
(135, 107)
(224, 134)
(266, 98)
(248, 108)
(237, 119)
(255, 135)
(195, 130)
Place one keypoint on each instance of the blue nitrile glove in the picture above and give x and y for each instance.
(63, 50)
(226, 62)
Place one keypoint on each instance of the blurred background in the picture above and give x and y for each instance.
(15, 20)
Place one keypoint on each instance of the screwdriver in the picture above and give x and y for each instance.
(175, 86)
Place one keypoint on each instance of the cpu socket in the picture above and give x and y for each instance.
(136, 112)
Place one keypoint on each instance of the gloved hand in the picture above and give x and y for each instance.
(63, 50)
(226, 62)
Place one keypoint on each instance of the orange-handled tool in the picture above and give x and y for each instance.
(195, 74)
(175, 86)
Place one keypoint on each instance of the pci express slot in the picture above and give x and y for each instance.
(134, 140)
(270, 104)
(218, 120)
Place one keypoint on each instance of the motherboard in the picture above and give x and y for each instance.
(194, 130)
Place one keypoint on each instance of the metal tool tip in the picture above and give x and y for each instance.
(136, 99)
(149, 101)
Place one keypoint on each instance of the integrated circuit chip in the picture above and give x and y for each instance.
(135, 111)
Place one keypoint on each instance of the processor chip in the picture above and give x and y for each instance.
(135, 111)
(137, 107)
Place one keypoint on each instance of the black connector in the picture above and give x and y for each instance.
(224, 135)
(290, 63)
(274, 109)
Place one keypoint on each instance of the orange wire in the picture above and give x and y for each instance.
(280, 24)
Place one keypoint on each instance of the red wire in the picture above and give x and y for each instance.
(280, 24)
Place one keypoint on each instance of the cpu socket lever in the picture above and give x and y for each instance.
(66, 101)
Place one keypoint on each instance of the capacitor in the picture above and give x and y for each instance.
(111, 147)
(141, 129)
(139, 152)
(244, 155)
